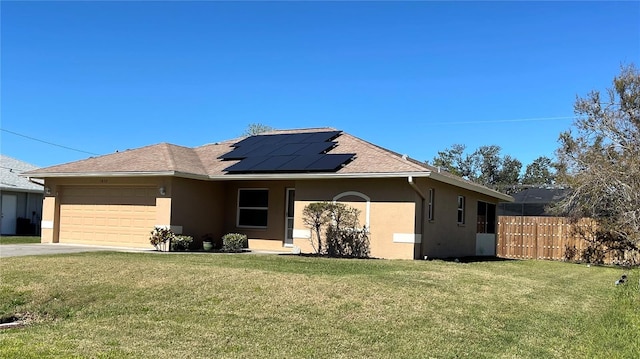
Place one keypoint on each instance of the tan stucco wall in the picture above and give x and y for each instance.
(392, 212)
(50, 217)
(395, 211)
(271, 237)
(443, 236)
(197, 207)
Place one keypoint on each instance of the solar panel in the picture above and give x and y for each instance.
(289, 149)
(263, 150)
(246, 164)
(237, 153)
(295, 152)
(315, 148)
(249, 141)
(300, 137)
(272, 164)
(323, 136)
(299, 163)
(329, 162)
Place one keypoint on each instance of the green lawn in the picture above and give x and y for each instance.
(19, 239)
(148, 305)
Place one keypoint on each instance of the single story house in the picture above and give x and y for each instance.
(259, 186)
(21, 199)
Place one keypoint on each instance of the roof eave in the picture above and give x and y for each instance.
(471, 186)
(21, 190)
(284, 176)
(44, 175)
(306, 176)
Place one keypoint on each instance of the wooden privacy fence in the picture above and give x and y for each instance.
(525, 237)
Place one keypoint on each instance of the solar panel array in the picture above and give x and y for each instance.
(295, 152)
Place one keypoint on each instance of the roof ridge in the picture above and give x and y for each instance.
(168, 154)
(305, 129)
(170, 148)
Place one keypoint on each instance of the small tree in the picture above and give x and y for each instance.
(315, 216)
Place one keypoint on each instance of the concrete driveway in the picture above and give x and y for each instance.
(14, 250)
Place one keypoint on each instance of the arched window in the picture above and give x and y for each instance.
(360, 195)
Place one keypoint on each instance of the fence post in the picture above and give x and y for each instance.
(535, 235)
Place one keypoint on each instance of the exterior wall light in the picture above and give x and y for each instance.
(47, 190)
(163, 191)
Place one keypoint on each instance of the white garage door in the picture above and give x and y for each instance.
(112, 216)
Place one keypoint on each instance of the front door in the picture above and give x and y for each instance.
(288, 215)
(9, 214)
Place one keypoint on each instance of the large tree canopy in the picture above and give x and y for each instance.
(540, 172)
(486, 166)
(599, 159)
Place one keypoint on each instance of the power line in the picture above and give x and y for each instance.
(47, 142)
(503, 121)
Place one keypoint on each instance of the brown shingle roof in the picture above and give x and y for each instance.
(163, 157)
(204, 161)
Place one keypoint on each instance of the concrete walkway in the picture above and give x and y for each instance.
(15, 250)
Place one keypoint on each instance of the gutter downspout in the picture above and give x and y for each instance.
(422, 214)
(34, 182)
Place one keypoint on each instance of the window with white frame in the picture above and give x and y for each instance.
(430, 208)
(253, 207)
(461, 209)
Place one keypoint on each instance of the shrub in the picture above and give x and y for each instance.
(593, 254)
(344, 237)
(181, 243)
(234, 242)
(160, 237)
(570, 253)
(347, 242)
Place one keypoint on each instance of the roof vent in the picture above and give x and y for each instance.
(404, 157)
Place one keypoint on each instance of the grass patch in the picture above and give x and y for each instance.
(146, 305)
(19, 239)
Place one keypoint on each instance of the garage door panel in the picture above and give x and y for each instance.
(121, 216)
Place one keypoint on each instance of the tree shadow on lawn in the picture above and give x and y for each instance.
(470, 259)
(475, 259)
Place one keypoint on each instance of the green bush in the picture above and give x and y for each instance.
(181, 243)
(344, 237)
(234, 242)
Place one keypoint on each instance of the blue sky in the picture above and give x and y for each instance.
(414, 77)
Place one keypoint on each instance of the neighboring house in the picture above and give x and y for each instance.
(21, 199)
(534, 201)
(259, 186)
